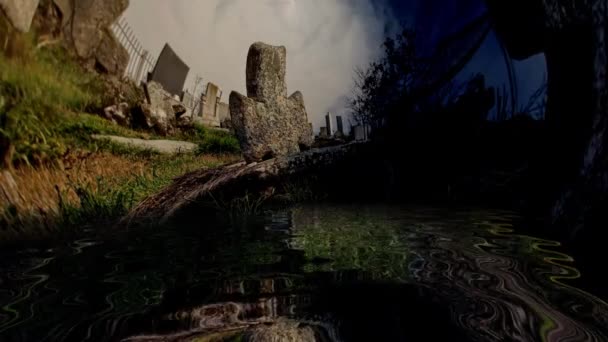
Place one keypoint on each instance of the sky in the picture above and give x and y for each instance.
(326, 40)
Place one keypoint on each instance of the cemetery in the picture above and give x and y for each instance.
(137, 207)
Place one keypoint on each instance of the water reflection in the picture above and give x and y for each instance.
(314, 273)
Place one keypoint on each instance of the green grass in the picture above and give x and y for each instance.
(38, 91)
(45, 98)
(99, 206)
(211, 140)
(42, 95)
(106, 203)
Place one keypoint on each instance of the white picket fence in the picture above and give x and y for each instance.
(140, 61)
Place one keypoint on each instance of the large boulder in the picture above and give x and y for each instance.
(90, 19)
(85, 28)
(111, 56)
(267, 122)
(20, 12)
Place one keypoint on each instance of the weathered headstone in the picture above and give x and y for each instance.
(187, 99)
(209, 111)
(329, 124)
(20, 12)
(223, 112)
(266, 121)
(360, 133)
(339, 124)
(323, 133)
(170, 71)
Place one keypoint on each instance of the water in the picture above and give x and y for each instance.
(325, 273)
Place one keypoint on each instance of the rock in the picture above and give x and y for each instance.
(119, 114)
(163, 111)
(90, 19)
(20, 12)
(117, 90)
(47, 23)
(84, 27)
(185, 121)
(155, 117)
(111, 56)
(282, 330)
(66, 9)
(179, 109)
(155, 94)
(267, 122)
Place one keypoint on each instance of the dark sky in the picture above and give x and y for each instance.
(434, 19)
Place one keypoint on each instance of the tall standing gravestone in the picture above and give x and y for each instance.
(170, 71)
(267, 122)
(340, 125)
(209, 112)
(329, 124)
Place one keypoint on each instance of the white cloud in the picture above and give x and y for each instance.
(325, 40)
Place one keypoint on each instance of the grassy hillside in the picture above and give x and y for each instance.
(53, 176)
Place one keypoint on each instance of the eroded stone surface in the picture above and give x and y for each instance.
(84, 25)
(161, 108)
(20, 12)
(111, 55)
(267, 122)
(90, 19)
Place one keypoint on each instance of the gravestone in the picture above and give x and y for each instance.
(329, 124)
(323, 133)
(339, 125)
(188, 100)
(223, 112)
(360, 133)
(170, 71)
(267, 122)
(209, 112)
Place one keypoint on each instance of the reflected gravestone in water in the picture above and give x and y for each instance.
(170, 71)
(267, 123)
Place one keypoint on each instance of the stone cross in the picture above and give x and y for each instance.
(267, 122)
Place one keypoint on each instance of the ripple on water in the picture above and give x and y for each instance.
(185, 282)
